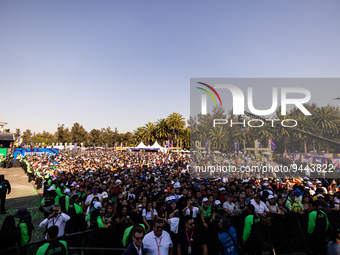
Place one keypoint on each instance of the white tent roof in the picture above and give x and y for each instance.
(141, 145)
(156, 146)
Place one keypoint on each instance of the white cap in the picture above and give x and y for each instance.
(118, 181)
(104, 195)
(97, 205)
(265, 184)
(320, 195)
(51, 188)
(66, 191)
(222, 189)
(217, 202)
(270, 196)
(205, 199)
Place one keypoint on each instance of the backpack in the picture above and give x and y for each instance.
(296, 207)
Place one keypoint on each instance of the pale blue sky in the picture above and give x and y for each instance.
(125, 63)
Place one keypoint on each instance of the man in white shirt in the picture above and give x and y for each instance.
(158, 242)
(260, 207)
(91, 196)
(56, 218)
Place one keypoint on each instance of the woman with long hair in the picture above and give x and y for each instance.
(9, 235)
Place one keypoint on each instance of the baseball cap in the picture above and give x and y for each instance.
(51, 188)
(205, 199)
(320, 195)
(217, 202)
(97, 205)
(270, 196)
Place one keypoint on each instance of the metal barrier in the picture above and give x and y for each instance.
(287, 234)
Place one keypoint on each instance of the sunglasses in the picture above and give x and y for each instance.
(139, 238)
(159, 227)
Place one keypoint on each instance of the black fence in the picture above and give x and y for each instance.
(282, 234)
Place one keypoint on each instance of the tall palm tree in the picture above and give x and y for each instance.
(149, 133)
(139, 134)
(326, 118)
(176, 124)
(218, 139)
(162, 131)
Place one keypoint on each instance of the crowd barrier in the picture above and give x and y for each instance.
(286, 234)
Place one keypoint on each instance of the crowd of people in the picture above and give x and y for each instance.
(147, 202)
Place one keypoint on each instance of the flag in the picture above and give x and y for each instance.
(198, 144)
(75, 146)
(168, 144)
(258, 144)
(106, 146)
(94, 146)
(272, 144)
(115, 145)
(236, 146)
(207, 146)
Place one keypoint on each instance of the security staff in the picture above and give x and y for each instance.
(318, 225)
(53, 246)
(252, 233)
(5, 188)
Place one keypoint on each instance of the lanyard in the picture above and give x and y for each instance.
(158, 245)
(54, 222)
(189, 240)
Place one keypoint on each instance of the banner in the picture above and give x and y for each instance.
(39, 152)
(207, 146)
(236, 146)
(168, 144)
(3, 152)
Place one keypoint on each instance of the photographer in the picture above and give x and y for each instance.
(56, 218)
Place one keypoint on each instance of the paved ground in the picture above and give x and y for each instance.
(23, 194)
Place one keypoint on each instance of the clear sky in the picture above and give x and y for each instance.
(125, 63)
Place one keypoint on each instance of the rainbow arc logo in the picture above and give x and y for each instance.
(209, 93)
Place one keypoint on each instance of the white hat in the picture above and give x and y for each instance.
(97, 205)
(265, 184)
(320, 195)
(205, 199)
(104, 195)
(118, 181)
(51, 188)
(217, 202)
(66, 191)
(270, 197)
(222, 189)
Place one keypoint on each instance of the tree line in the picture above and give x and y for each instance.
(171, 128)
(324, 122)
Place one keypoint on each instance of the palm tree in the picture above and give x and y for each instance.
(162, 130)
(326, 118)
(176, 124)
(149, 133)
(139, 134)
(218, 139)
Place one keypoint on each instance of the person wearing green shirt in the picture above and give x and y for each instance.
(25, 224)
(206, 213)
(252, 232)
(53, 246)
(318, 225)
(127, 238)
(94, 219)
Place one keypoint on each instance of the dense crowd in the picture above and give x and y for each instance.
(119, 192)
